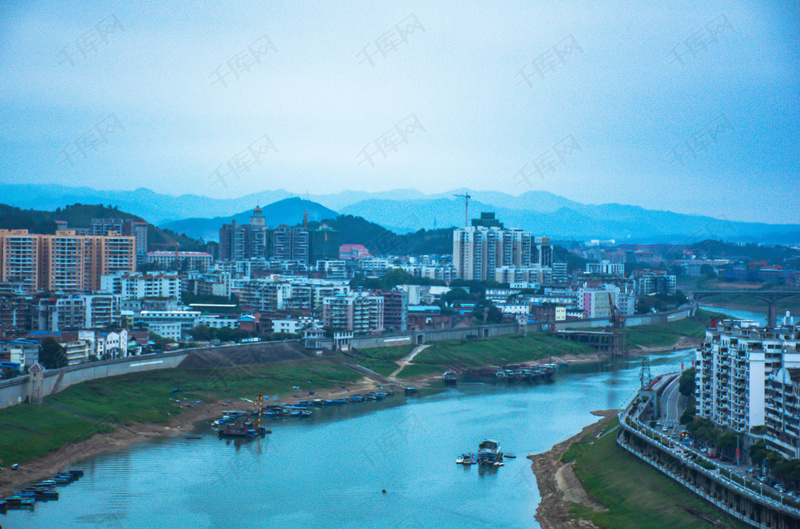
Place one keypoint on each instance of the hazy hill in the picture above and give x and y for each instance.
(80, 216)
(380, 241)
(288, 211)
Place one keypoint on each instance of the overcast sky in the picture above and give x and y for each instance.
(687, 106)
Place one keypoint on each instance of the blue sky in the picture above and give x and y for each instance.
(686, 106)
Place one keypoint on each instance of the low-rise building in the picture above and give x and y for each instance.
(174, 260)
(140, 286)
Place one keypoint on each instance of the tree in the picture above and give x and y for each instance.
(495, 315)
(686, 384)
(51, 354)
(708, 271)
(758, 452)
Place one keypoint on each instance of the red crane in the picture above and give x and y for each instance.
(305, 218)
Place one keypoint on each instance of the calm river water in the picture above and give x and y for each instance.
(328, 471)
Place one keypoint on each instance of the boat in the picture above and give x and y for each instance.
(410, 390)
(501, 374)
(63, 479)
(243, 428)
(40, 494)
(77, 473)
(489, 453)
(466, 459)
(510, 456)
(20, 502)
(449, 377)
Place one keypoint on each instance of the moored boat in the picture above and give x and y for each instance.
(466, 459)
(489, 453)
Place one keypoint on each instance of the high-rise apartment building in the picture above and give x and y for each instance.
(65, 261)
(290, 243)
(128, 227)
(323, 244)
(238, 242)
(479, 250)
(19, 259)
(782, 413)
(733, 365)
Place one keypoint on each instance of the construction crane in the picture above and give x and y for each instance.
(466, 198)
(244, 427)
(305, 218)
(617, 321)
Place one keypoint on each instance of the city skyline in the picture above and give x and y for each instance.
(689, 109)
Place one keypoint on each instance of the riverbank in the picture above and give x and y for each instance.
(96, 442)
(558, 486)
(110, 414)
(587, 481)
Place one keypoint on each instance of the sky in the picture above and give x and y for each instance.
(682, 105)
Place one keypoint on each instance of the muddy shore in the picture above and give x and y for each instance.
(125, 436)
(191, 414)
(559, 486)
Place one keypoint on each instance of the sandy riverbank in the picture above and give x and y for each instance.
(125, 436)
(558, 484)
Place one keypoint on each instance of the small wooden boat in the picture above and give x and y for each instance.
(466, 459)
(20, 502)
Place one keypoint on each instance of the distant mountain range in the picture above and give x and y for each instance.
(408, 210)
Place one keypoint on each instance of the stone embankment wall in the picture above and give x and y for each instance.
(17, 390)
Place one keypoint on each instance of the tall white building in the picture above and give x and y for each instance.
(479, 250)
(733, 365)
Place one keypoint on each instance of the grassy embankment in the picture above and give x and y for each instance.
(512, 349)
(33, 431)
(98, 406)
(440, 356)
(636, 495)
(743, 302)
(665, 335)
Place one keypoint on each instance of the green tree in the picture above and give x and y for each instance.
(686, 384)
(495, 315)
(51, 354)
(708, 271)
(758, 452)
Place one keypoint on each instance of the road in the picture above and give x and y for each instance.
(671, 406)
(403, 362)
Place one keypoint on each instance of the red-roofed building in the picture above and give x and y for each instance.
(353, 251)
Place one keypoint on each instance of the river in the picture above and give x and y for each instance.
(330, 470)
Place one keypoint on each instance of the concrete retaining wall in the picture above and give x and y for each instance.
(17, 390)
(488, 331)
